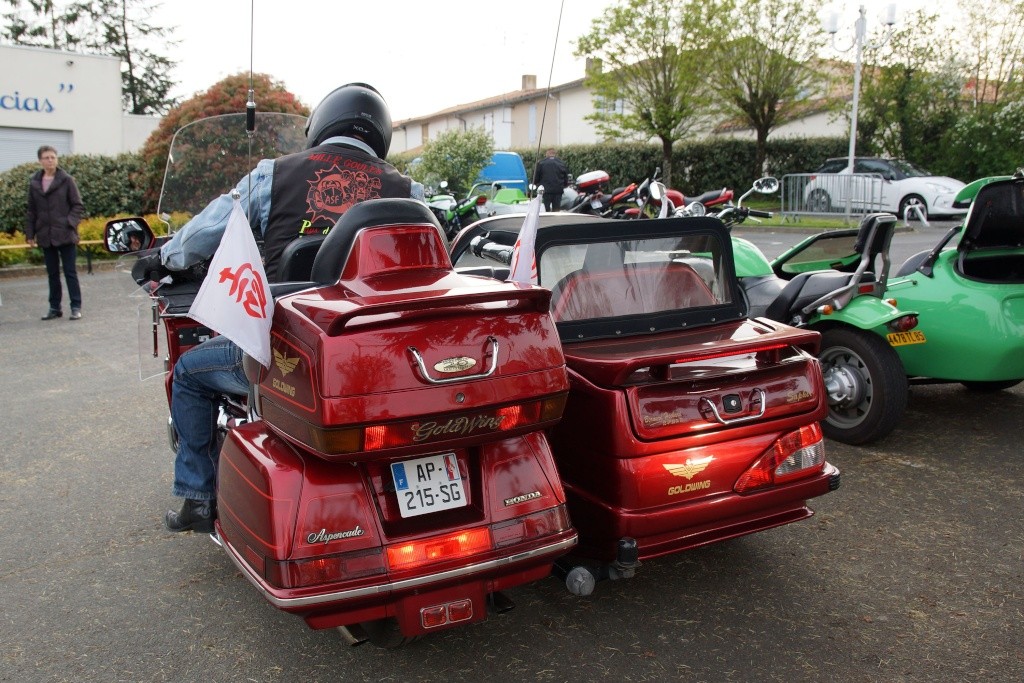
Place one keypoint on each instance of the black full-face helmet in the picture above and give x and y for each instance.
(355, 108)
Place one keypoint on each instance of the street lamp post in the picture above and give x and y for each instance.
(859, 36)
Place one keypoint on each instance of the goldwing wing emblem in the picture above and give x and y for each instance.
(692, 468)
(284, 363)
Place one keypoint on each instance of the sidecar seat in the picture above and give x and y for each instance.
(879, 229)
(330, 259)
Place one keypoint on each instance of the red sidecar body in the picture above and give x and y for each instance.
(686, 422)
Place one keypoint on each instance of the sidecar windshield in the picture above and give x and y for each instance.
(637, 277)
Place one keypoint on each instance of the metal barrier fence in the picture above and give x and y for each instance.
(831, 194)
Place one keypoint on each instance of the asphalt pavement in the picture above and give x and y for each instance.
(911, 571)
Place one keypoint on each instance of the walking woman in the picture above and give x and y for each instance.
(54, 212)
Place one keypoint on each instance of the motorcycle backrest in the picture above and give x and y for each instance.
(296, 262)
(334, 252)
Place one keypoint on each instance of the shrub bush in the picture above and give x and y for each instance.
(109, 185)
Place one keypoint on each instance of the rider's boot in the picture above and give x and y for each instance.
(195, 515)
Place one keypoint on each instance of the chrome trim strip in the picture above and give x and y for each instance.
(312, 600)
(425, 374)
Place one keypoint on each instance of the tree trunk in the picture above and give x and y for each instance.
(666, 161)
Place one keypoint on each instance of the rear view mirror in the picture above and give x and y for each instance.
(766, 185)
(124, 235)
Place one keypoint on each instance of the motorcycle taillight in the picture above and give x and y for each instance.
(326, 569)
(378, 437)
(528, 527)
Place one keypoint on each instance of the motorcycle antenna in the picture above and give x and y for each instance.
(551, 71)
(250, 118)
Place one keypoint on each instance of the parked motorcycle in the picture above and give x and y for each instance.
(686, 422)
(454, 214)
(967, 289)
(389, 474)
(842, 294)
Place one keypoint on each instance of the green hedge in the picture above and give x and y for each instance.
(110, 185)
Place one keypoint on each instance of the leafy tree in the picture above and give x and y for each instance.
(654, 79)
(227, 96)
(45, 23)
(911, 94)
(457, 156)
(765, 77)
(123, 31)
(995, 52)
(119, 28)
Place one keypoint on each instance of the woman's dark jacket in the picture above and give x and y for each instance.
(54, 215)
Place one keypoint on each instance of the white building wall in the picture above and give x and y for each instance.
(76, 94)
(573, 128)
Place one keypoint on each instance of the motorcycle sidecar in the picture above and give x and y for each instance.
(399, 478)
(686, 423)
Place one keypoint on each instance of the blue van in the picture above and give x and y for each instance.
(506, 168)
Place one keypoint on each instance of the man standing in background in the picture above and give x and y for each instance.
(551, 173)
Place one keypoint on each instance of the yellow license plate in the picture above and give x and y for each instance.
(904, 338)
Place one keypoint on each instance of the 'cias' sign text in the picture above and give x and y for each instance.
(16, 101)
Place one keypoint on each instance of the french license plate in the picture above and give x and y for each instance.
(904, 338)
(428, 484)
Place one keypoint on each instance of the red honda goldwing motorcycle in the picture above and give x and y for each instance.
(389, 474)
(687, 422)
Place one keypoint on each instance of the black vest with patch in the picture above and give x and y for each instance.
(311, 190)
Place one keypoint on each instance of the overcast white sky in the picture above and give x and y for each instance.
(422, 56)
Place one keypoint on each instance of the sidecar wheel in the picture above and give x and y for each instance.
(866, 384)
(992, 386)
(386, 634)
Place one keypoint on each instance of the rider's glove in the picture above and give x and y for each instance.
(149, 267)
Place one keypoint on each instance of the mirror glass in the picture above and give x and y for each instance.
(766, 185)
(124, 235)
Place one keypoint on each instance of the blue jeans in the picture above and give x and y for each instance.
(53, 257)
(201, 375)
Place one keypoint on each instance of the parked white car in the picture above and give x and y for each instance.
(878, 184)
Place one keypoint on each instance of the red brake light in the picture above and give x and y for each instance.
(481, 200)
(792, 456)
(904, 323)
(439, 548)
(723, 354)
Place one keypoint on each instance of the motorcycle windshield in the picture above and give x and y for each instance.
(638, 277)
(208, 157)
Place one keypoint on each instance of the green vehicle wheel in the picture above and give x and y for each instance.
(866, 385)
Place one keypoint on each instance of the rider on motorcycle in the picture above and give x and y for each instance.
(347, 137)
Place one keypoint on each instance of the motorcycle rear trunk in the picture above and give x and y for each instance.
(400, 468)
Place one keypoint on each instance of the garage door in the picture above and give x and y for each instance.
(19, 145)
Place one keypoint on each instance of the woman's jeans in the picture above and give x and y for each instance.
(201, 375)
(53, 257)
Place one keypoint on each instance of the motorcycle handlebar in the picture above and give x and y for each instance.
(759, 214)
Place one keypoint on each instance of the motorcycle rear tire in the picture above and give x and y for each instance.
(881, 383)
(386, 634)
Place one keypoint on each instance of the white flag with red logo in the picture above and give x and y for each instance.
(524, 258)
(235, 299)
